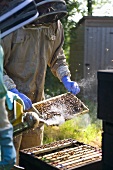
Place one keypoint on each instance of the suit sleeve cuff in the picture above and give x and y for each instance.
(63, 71)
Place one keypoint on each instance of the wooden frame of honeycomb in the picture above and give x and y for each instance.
(66, 104)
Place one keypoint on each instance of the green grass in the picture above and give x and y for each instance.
(83, 128)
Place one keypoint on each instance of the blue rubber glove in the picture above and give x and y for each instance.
(71, 86)
(3, 89)
(26, 100)
(8, 153)
(10, 97)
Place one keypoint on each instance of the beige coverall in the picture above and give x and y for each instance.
(28, 51)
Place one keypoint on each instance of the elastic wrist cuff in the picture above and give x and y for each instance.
(63, 71)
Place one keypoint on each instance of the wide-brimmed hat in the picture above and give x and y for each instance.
(50, 10)
(15, 14)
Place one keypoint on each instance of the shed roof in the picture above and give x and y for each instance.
(96, 21)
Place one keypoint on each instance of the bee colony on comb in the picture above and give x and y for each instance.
(65, 154)
(49, 147)
(67, 105)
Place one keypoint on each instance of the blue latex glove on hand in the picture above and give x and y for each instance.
(10, 97)
(26, 100)
(71, 86)
(8, 153)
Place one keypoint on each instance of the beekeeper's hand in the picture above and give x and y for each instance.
(32, 119)
(71, 86)
(10, 97)
(26, 100)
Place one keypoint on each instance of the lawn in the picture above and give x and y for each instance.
(84, 128)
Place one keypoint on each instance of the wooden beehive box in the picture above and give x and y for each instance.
(67, 154)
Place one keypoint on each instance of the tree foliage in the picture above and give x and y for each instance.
(55, 87)
(68, 22)
(73, 7)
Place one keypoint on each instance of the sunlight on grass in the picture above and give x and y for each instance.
(83, 128)
(90, 134)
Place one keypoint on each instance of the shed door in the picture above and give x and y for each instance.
(98, 49)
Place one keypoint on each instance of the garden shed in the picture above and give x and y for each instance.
(91, 46)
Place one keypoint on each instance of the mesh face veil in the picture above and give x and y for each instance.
(50, 10)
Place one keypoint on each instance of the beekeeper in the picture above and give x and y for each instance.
(9, 21)
(8, 153)
(7, 149)
(28, 51)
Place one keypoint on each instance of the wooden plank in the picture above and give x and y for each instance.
(94, 50)
(88, 53)
(103, 45)
(99, 48)
(107, 49)
(85, 51)
(111, 47)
